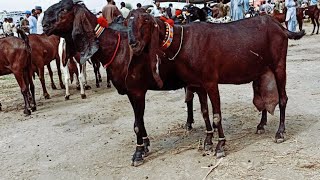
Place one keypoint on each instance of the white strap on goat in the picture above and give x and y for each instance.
(181, 40)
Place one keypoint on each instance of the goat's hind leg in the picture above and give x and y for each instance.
(43, 83)
(137, 100)
(314, 25)
(280, 75)
(84, 72)
(317, 21)
(189, 101)
(208, 144)
(24, 91)
(29, 82)
(263, 122)
(53, 86)
(96, 73)
(213, 92)
(66, 80)
(109, 76)
(81, 80)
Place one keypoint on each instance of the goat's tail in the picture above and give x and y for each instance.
(295, 35)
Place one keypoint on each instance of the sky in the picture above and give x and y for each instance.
(23, 5)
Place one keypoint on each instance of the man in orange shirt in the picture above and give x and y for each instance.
(110, 11)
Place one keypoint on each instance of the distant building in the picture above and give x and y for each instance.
(15, 15)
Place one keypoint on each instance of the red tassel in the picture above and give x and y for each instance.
(167, 20)
(170, 21)
(102, 22)
(178, 12)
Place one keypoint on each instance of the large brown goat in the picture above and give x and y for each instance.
(249, 50)
(15, 58)
(44, 50)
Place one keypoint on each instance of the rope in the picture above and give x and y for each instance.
(179, 46)
(114, 54)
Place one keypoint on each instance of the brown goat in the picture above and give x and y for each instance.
(44, 50)
(15, 57)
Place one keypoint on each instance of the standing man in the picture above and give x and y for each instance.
(124, 11)
(156, 10)
(32, 22)
(237, 10)
(40, 18)
(10, 27)
(5, 26)
(291, 16)
(169, 11)
(138, 5)
(246, 6)
(281, 6)
(34, 14)
(110, 11)
(207, 9)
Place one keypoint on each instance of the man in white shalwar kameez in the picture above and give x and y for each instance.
(246, 6)
(237, 11)
(291, 16)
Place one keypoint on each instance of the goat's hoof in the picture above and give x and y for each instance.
(27, 112)
(46, 96)
(83, 96)
(279, 138)
(53, 86)
(62, 86)
(260, 131)
(87, 87)
(137, 158)
(34, 108)
(208, 147)
(220, 154)
(66, 97)
(188, 126)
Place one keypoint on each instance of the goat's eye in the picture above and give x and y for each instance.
(63, 10)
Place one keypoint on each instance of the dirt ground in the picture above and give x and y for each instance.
(94, 139)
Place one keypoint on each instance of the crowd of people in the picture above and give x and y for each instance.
(238, 9)
(32, 22)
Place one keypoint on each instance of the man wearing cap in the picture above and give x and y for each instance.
(32, 22)
(40, 18)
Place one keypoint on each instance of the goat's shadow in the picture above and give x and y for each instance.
(239, 123)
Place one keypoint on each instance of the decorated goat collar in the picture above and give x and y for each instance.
(101, 26)
(168, 37)
(99, 30)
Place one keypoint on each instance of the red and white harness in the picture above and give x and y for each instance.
(99, 29)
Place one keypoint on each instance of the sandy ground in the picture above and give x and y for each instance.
(94, 139)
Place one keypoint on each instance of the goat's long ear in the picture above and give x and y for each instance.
(154, 51)
(83, 34)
